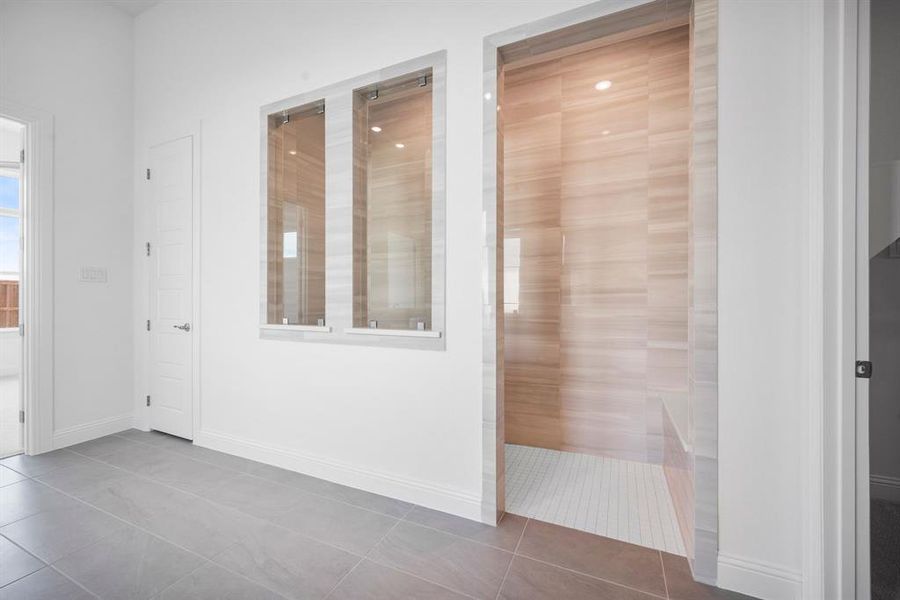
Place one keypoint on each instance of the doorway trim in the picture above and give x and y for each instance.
(37, 275)
(142, 415)
(616, 16)
(844, 538)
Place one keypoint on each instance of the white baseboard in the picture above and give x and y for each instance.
(885, 487)
(759, 579)
(419, 492)
(89, 431)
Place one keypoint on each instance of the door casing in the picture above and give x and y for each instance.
(37, 275)
(142, 419)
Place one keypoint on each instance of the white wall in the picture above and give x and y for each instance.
(765, 98)
(11, 139)
(10, 353)
(411, 417)
(74, 60)
(408, 423)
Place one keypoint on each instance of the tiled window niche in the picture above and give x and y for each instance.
(392, 204)
(353, 210)
(296, 216)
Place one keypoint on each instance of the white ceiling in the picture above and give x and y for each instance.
(133, 7)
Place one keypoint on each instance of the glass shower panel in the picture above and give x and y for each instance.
(392, 232)
(296, 216)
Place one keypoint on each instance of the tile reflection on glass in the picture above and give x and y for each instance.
(392, 203)
(296, 216)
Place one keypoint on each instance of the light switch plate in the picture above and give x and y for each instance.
(93, 275)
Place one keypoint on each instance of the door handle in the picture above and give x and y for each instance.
(185, 327)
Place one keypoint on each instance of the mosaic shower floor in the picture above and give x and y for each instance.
(620, 499)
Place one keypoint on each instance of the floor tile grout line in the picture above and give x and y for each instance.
(41, 568)
(172, 542)
(20, 546)
(360, 561)
(116, 517)
(458, 536)
(224, 506)
(230, 508)
(662, 566)
(511, 560)
(269, 521)
(210, 560)
(293, 488)
(408, 573)
(44, 564)
(186, 575)
(610, 581)
(342, 579)
(204, 560)
(411, 574)
(250, 579)
(255, 476)
(90, 593)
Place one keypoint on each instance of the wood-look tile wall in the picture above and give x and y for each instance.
(296, 203)
(392, 209)
(595, 245)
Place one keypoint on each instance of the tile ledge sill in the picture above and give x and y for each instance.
(393, 332)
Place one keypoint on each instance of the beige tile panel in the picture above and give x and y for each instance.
(595, 189)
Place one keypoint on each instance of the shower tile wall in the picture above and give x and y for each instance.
(296, 215)
(392, 208)
(596, 242)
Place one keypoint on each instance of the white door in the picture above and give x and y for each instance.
(171, 290)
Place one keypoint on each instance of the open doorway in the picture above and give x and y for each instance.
(882, 171)
(596, 158)
(12, 197)
(600, 305)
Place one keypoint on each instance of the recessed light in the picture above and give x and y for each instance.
(376, 129)
(400, 145)
(487, 96)
(605, 132)
(603, 85)
(292, 152)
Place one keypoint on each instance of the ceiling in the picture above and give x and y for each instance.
(133, 7)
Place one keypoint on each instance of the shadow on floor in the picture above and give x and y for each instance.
(885, 525)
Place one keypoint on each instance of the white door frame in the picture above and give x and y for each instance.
(863, 562)
(142, 417)
(845, 428)
(36, 312)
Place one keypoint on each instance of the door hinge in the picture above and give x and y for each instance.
(148, 400)
(864, 369)
(147, 246)
(21, 416)
(22, 156)
(148, 324)
(148, 174)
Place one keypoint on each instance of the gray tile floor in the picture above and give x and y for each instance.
(150, 516)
